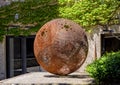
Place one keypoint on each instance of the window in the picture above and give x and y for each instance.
(110, 43)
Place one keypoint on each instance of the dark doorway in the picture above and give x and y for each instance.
(110, 42)
(19, 55)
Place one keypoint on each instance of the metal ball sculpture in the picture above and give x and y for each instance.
(61, 46)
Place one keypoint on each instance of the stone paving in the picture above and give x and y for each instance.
(45, 78)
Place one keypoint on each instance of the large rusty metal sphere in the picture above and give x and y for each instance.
(61, 46)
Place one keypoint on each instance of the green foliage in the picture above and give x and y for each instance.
(85, 12)
(89, 12)
(107, 68)
(30, 12)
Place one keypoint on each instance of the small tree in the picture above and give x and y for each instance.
(89, 13)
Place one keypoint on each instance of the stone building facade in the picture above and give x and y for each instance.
(97, 46)
(94, 51)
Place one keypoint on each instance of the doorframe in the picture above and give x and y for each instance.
(23, 53)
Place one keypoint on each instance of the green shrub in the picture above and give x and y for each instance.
(105, 69)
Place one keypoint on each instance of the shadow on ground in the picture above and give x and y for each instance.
(68, 76)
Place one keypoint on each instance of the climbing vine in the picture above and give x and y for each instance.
(35, 13)
(89, 13)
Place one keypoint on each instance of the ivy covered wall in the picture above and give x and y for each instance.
(24, 18)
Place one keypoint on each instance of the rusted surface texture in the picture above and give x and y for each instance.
(61, 46)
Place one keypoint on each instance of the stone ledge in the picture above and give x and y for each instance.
(43, 78)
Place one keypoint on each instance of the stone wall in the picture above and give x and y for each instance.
(2, 61)
(8, 2)
(94, 41)
(93, 50)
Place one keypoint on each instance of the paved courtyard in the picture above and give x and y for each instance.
(45, 78)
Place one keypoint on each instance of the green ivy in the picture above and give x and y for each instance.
(30, 12)
(87, 13)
